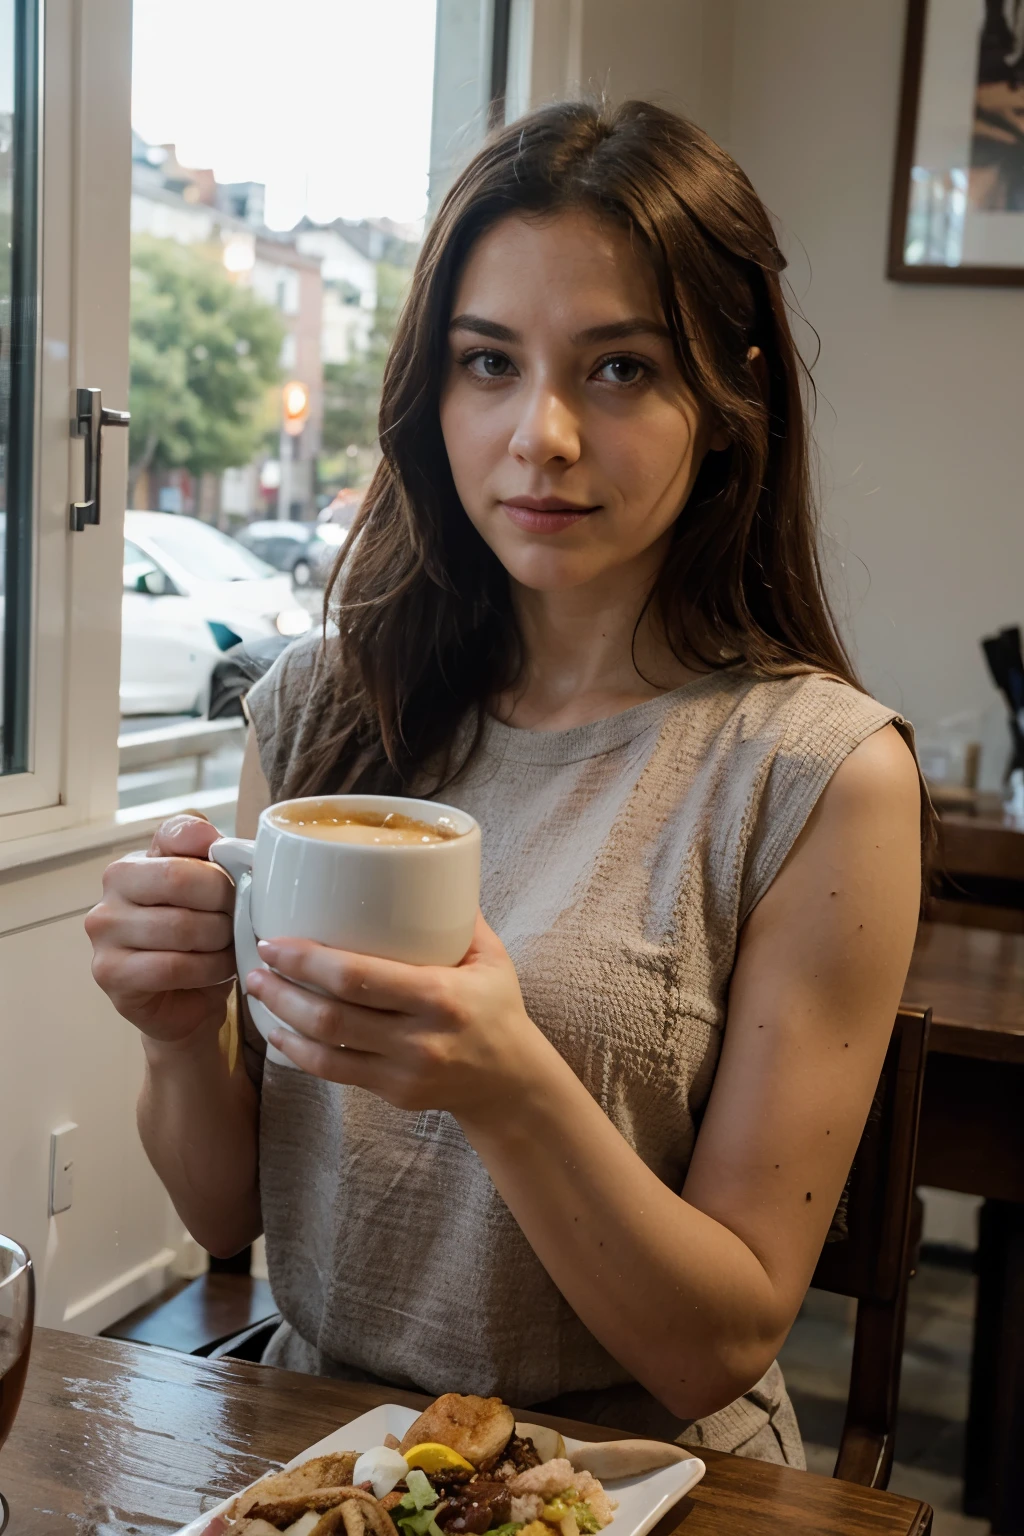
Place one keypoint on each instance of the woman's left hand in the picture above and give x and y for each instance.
(421, 1037)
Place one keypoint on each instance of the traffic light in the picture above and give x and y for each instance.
(295, 406)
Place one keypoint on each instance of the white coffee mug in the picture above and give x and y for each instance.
(406, 901)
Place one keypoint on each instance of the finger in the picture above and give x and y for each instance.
(187, 836)
(363, 979)
(485, 944)
(170, 928)
(150, 880)
(146, 971)
(322, 1019)
(354, 1068)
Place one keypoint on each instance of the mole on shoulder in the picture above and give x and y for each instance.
(808, 1196)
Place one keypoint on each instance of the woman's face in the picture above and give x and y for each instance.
(572, 438)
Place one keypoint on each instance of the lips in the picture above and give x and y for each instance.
(544, 514)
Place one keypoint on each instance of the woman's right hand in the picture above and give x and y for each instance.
(162, 934)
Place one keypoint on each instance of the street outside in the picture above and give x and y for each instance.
(219, 770)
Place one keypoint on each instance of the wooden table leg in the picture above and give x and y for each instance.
(994, 1462)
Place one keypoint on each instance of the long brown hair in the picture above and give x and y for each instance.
(427, 634)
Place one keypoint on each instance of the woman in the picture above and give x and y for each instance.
(592, 1167)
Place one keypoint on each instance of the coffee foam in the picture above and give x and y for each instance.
(370, 828)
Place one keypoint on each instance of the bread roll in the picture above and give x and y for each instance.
(479, 1428)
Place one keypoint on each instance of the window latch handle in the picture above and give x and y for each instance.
(90, 417)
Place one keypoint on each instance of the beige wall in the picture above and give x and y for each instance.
(920, 417)
(919, 412)
(675, 52)
(65, 1055)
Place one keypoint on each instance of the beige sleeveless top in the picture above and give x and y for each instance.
(620, 860)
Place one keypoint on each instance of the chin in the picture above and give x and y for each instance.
(548, 570)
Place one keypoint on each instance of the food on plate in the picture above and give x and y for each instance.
(362, 1513)
(479, 1428)
(433, 1457)
(611, 1459)
(464, 1468)
(383, 1467)
(548, 1443)
(478, 1507)
(573, 1501)
(318, 1472)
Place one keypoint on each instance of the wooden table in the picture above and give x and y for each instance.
(989, 845)
(972, 1140)
(118, 1438)
(979, 871)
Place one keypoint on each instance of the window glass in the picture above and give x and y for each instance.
(206, 553)
(18, 140)
(276, 220)
(136, 564)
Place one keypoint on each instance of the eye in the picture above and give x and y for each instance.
(488, 364)
(622, 370)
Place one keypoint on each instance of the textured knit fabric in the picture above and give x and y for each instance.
(620, 860)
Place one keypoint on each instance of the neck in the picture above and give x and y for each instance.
(589, 652)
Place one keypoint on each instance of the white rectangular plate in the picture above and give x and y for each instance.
(642, 1500)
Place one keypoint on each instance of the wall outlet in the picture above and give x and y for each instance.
(63, 1147)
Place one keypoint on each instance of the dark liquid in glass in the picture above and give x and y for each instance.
(12, 1372)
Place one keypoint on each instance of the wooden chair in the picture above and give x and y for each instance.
(873, 1262)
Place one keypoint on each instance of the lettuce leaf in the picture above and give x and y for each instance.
(421, 1494)
(420, 1502)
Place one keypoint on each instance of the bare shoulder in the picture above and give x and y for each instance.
(875, 790)
(863, 836)
(880, 773)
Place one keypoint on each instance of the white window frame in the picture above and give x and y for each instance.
(67, 800)
(82, 327)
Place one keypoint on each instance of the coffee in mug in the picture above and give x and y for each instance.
(322, 818)
(376, 874)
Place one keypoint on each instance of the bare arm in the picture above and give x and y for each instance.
(163, 953)
(693, 1292)
(696, 1295)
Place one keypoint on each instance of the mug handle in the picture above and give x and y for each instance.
(235, 855)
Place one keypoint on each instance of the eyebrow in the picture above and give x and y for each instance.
(619, 330)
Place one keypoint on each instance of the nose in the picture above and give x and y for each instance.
(547, 431)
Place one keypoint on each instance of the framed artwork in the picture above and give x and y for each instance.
(958, 194)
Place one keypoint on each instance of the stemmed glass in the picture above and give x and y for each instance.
(17, 1310)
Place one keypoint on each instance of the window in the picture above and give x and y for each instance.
(277, 221)
(205, 553)
(141, 574)
(18, 159)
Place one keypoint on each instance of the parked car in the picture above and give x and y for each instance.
(235, 673)
(305, 550)
(168, 650)
(190, 594)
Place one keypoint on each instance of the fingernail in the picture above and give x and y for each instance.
(254, 981)
(266, 947)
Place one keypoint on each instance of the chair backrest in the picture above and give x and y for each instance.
(872, 1261)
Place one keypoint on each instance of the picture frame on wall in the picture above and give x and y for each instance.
(958, 192)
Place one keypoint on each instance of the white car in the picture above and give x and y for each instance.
(191, 593)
